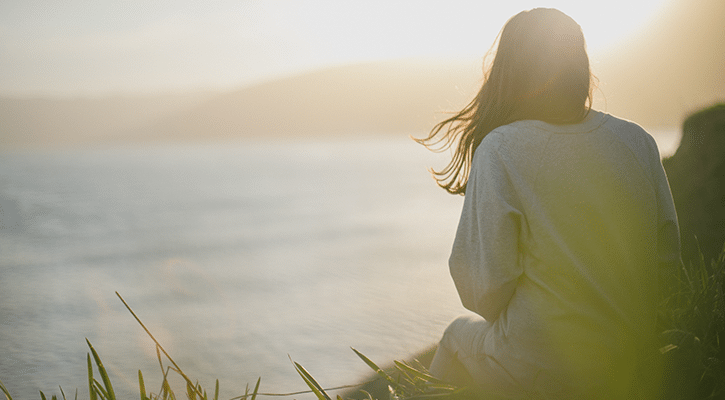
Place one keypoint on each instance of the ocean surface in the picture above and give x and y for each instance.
(238, 256)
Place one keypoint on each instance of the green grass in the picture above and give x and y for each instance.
(691, 319)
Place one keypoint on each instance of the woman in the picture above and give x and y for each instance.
(567, 224)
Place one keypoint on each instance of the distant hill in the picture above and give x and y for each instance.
(384, 97)
(377, 98)
(38, 122)
(673, 67)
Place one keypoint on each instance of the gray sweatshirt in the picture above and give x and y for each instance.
(581, 218)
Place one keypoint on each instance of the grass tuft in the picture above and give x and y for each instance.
(693, 324)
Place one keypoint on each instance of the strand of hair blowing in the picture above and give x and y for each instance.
(540, 71)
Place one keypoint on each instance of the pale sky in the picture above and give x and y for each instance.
(99, 47)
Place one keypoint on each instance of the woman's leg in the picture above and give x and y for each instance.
(446, 366)
(456, 358)
(461, 359)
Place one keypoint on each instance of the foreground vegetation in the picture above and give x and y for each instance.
(692, 322)
(691, 318)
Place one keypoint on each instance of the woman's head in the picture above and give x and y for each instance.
(540, 70)
(541, 67)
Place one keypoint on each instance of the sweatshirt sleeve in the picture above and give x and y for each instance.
(485, 256)
(668, 231)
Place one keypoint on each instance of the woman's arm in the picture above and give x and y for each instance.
(496, 300)
(484, 260)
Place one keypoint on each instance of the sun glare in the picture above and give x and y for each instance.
(605, 23)
(608, 23)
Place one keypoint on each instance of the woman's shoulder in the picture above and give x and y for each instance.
(633, 134)
(516, 147)
(622, 124)
(520, 137)
(515, 133)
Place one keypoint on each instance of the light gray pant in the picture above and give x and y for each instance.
(460, 359)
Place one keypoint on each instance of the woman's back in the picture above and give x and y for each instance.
(581, 204)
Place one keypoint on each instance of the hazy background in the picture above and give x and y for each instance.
(240, 171)
(85, 72)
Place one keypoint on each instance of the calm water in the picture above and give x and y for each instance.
(234, 255)
(237, 256)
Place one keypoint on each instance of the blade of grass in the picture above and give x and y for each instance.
(165, 385)
(5, 391)
(101, 391)
(190, 391)
(161, 365)
(168, 393)
(91, 391)
(155, 341)
(141, 386)
(375, 368)
(418, 373)
(42, 395)
(216, 390)
(104, 375)
(256, 388)
(370, 396)
(311, 382)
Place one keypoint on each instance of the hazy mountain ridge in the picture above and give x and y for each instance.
(383, 98)
(52, 122)
(656, 79)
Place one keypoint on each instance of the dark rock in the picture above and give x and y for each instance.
(697, 178)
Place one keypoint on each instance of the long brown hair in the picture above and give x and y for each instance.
(540, 71)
